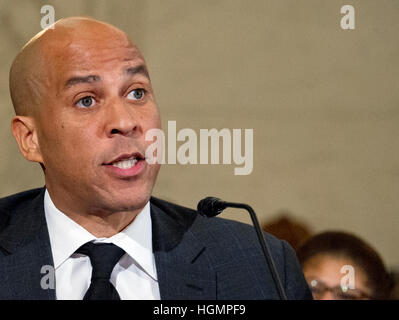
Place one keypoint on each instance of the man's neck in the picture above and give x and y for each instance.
(100, 223)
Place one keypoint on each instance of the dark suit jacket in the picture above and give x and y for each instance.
(196, 257)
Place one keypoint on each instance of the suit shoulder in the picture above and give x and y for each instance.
(16, 202)
(12, 201)
(215, 226)
(171, 207)
(182, 216)
(218, 232)
(235, 236)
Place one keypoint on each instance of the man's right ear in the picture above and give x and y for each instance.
(24, 131)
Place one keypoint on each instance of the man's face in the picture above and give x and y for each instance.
(97, 107)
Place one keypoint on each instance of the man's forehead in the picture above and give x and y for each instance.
(78, 58)
(86, 58)
(85, 50)
(83, 41)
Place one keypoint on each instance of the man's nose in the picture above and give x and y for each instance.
(122, 119)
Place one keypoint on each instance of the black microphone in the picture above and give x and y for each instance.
(211, 207)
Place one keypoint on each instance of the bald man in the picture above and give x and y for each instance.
(83, 101)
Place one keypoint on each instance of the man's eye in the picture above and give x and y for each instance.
(86, 102)
(136, 94)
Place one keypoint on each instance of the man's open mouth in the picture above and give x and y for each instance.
(125, 164)
(126, 161)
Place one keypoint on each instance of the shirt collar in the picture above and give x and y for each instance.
(66, 236)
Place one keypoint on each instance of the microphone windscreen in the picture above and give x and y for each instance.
(210, 207)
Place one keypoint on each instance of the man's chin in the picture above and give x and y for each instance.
(121, 196)
(126, 203)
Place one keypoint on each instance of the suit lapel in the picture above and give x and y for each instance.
(184, 272)
(26, 263)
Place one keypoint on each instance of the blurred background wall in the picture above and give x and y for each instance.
(323, 102)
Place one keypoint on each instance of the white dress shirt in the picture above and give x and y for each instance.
(134, 276)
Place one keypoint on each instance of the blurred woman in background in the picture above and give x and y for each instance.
(341, 266)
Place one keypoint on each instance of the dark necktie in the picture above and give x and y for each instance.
(103, 258)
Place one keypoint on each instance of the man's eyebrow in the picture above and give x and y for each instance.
(86, 79)
(140, 69)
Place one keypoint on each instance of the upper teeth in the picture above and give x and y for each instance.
(125, 164)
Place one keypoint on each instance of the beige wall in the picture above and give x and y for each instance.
(323, 102)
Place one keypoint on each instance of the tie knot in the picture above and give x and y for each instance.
(103, 258)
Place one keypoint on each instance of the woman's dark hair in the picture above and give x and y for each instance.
(345, 245)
